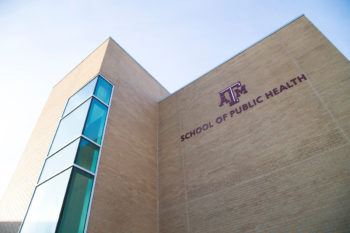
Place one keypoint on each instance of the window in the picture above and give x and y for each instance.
(103, 90)
(87, 155)
(45, 208)
(61, 160)
(70, 127)
(95, 121)
(79, 97)
(76, 205)
(61, 200)
(81, 151)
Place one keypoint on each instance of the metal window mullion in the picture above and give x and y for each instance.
(53, 139)
(100, 101)
(87, 99)
(83, 169)
(88, 139)
(107, 80)
(77, 138)
(58, 173)
(68, 144)
(87, 115)
(83, 102)
(77, 92)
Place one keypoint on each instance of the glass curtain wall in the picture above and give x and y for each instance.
(62, 197)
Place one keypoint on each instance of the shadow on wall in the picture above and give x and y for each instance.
(9, 227)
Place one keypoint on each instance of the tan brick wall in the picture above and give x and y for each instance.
(281, 166)
(125, 198)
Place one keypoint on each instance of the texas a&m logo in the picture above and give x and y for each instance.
(230, 95)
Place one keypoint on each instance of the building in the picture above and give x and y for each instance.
(260, 143)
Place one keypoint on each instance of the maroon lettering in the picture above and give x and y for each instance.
(240, 110)
(241, 91)
(182, 138)
(231, 94)
(224, 100)
(250, 105)
(301, 78)
(268, 94)
(192, 133)
(294, 81)
(282, 88)
(259, 99)
(219, 120)
(245, 107)
(205, 127)
(289, 85)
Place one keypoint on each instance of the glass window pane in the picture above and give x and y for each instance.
(80, 96)
(46, 205)
(59, 161)
(70, 127)
(95, 121)
(87, 155)
(76, 205)
(103, 90)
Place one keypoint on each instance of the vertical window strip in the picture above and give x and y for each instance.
(89, 167)
(99, 157)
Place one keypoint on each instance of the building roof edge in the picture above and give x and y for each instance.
(237, 54)
(105, 41)
(111, 39)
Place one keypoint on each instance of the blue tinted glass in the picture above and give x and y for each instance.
(76, 205)
(103, 90)
(87, 155)
(95, 121)
(44, 210)
(59, 161)
(80, 96)
(70, 127)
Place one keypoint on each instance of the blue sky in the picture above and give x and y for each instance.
(176, 41)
